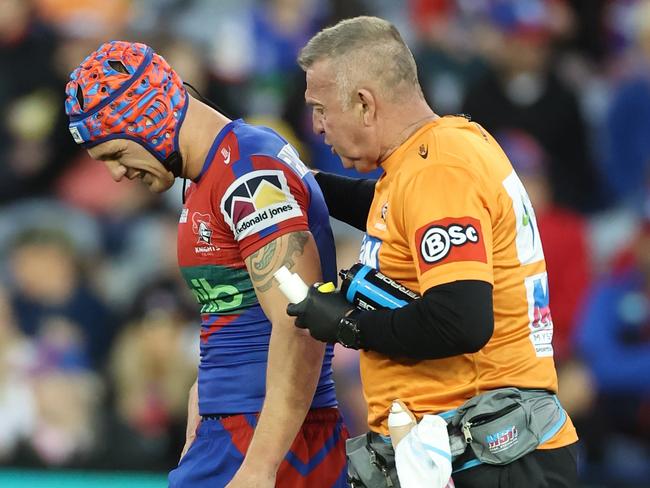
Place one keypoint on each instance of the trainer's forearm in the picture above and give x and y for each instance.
(294, 366)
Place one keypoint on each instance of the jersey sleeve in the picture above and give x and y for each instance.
(268, 200)
(447, 220)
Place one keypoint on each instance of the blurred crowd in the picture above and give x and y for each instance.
(98, 335)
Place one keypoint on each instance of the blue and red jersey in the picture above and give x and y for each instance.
(252, 189)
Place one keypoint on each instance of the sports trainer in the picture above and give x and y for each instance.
(266, 414)
(449, 219)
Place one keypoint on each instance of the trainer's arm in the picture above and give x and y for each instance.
(450, 319)
(295, 358)
(348, 199)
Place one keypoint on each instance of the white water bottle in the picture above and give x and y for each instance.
(400, 422)
(291, 285)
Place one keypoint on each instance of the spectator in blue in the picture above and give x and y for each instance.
(47, 284)
(627, 155)
(614, 341)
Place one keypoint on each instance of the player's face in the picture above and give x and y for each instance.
(343, 127)
(127, 159)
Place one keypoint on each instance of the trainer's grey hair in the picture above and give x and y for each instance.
(364, 49)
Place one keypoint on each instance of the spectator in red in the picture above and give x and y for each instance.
(563, 232)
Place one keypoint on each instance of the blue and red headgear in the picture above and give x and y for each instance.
(124, 90)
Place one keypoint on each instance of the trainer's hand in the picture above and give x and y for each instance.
(321, 313)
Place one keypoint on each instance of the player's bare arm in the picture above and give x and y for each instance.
(294, 360)
(274, 255)
(193, 417)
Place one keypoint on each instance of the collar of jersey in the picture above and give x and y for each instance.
(215, 145)
(392, 161)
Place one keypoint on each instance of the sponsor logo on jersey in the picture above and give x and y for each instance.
(220, 289)
(290, 156)
(225, 154)
(423, 151)
(258, 200)
(450, 240)
(382, 225)
(216, 297)
(539, 315)
(202, 228)
(369, 253)
(183, 218)
(384, 211)
(529, 245)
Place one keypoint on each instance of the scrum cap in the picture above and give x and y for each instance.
(125, 90)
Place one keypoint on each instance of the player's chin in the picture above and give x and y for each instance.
(159, 185)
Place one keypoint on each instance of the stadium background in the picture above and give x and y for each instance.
(98, 337)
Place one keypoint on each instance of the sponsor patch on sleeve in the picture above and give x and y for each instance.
(450, 240)
(257, 201)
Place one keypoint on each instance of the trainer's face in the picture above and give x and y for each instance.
(126, 158)
(345, 129)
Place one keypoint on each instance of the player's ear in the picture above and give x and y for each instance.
(368, 104)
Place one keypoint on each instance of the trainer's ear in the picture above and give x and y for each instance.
(368, 104)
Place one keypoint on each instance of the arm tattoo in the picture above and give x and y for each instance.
(267, 253)
(275, 254)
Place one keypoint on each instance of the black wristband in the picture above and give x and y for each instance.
(349, 333)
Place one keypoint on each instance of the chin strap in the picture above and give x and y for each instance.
(174, 164)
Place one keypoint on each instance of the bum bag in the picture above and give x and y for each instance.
(502, 425)
(496, 427)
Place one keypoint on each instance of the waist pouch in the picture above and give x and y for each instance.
(371, 462)
(503, 425)
(499, 426)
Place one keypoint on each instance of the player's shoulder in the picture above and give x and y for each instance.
(258, 140)
(267, 149)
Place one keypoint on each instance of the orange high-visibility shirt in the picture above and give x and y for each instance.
(450, 207)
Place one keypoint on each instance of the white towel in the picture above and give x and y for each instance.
(423, 457)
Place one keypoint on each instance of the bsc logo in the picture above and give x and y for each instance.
(450, 240)
(437, 240)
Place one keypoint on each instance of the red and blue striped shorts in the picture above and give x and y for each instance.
(316, 458)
